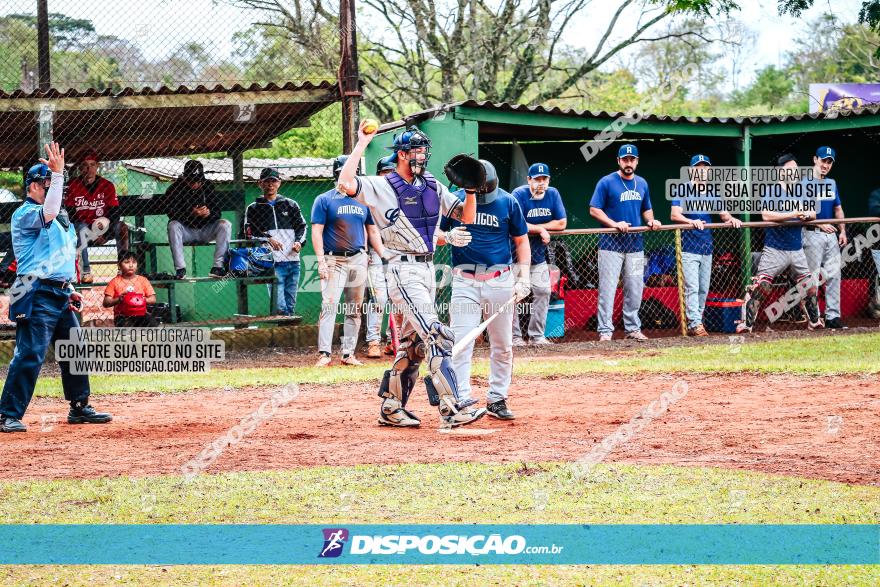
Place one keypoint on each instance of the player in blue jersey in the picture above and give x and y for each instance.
(783, 251)
(696, 252)
(542, 206)
(822, 242)
(621, 201)
(484, 281)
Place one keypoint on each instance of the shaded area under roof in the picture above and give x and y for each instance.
(158, 123)
(220, 170)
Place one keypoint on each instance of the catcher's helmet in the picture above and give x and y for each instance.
(489, 190)
(39, 172)
(338, 164)
(413, 138)
(388, 163)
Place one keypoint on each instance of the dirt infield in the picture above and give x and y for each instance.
(805, 426)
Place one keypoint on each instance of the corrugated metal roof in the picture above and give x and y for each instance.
(738, 120)
(220, 170)
(165, 91)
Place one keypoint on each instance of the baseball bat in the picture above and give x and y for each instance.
(473, 334)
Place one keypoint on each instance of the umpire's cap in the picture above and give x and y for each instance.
(39, 172)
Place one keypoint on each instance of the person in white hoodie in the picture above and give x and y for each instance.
(281, 221)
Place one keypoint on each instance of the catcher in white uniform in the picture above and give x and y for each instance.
(407, 206)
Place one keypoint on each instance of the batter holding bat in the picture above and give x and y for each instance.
(407, 206)
(484, 279)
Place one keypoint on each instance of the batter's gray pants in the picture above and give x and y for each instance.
(540, 278)
(610, 264)
(472, 302)
(348, 275)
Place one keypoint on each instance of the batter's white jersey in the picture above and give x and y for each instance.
(398, 234)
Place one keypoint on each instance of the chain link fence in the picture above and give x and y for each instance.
(666, 283)
(134, 91)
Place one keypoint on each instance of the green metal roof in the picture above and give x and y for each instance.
(503, 121)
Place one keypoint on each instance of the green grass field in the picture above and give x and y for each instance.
(469, 493)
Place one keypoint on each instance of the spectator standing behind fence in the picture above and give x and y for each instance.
(696, 251)
(783, 250)
(621, 200)
(193, 208)
(339, 235)
(279, 220)
(93, 206)
(128, 294)
(822, 243)
(543, 210)
(42, 299)
(384, 166)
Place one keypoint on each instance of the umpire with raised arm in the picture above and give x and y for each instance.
(42, 299)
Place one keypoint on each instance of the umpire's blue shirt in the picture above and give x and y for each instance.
(44, 249)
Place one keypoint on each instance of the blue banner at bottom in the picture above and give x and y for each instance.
(441, 544)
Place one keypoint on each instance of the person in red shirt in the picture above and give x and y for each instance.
(92, 204)
(129, 293)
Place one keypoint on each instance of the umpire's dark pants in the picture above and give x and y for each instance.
(50, 319)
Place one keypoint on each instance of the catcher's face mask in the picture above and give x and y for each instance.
(417, 159)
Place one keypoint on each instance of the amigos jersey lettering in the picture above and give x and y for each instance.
(495, 224)
(623, 200)
(540, 211)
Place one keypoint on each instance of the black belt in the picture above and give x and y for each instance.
(417, 258)
(816, 229)
(345, 253)
(55, 283)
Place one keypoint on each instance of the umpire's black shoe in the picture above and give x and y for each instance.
(12, 425)
(500, 410)
(85, 414)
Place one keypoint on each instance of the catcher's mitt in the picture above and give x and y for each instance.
(465, 172)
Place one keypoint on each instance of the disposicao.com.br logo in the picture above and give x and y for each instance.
(492, 544)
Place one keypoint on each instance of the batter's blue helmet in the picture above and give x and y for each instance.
(39, 172)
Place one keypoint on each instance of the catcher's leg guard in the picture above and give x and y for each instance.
(811, 301)
(442, 385)
(398, 382)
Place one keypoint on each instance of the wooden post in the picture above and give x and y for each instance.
(43, 52)
(349, 80)
(680, 278)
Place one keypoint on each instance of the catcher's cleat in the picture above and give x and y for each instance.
(374, 350)
(463, 417)
(391, 413)
(698, 330)
(500, 410)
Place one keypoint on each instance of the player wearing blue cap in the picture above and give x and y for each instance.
(543, 209)
(822, 242)
(42, 299)
(621, 201)
(484, 280)
(696, 252)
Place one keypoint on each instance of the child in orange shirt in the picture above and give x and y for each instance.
(129, 293)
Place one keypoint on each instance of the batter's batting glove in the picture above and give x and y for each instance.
(458, 237)
(522, 288)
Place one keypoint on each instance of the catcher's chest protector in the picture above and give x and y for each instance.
(420, 204)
